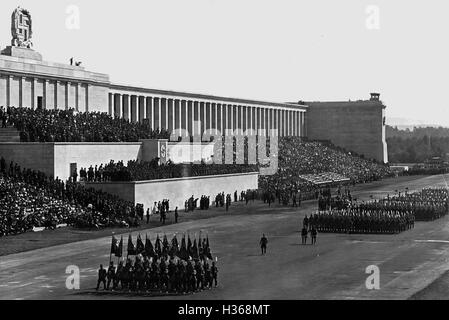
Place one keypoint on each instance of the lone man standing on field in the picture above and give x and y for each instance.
(263, 244)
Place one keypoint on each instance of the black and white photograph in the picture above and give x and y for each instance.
(221, 150)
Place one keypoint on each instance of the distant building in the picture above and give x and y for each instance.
(357, 126)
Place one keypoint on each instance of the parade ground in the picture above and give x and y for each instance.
(412, 264)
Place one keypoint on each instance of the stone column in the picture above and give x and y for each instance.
(150, 111)
(233, 118)
(9, 91)
(110, 103)
(67, 95)
(219, 119)
(33, 94)
(214, 117)
(196, 127)
(141, 104)
(117, 105)
(190, 117)
(21, 85)
(126, 98)
(133, 109)
(159, 118)
(203, 117)
(184, 117)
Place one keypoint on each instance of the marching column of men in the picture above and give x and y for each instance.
(163, 268)
(390, 215)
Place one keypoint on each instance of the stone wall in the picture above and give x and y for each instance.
(37, 156)
(87, 154)
(356, 126)
(179, 190)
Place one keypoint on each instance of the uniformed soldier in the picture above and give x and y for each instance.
(111, 275)
(313, 234)
(263, 244)
(214, 273)
(101, 277)
(304, 235)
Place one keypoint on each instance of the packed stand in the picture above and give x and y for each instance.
(151, 170)
(298, 158)
(49, 125)
(29, 199)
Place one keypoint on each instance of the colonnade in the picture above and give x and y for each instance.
(197, 115)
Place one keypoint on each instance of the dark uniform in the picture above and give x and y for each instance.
(304, 235)
(101, 277)
(263, 244)
(313, 233)
(111, 275)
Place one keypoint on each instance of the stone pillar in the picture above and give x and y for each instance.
(219, 119)
(202, 117)
(176, 113)
(207, 115)
(141, 108)
(117, 105)
(88, 87)
(126, 103)
(9, 91)
(163, 113)
(232, 121)
(58, 96)
(110, 103)
(291, 122)
(214, 116)
(282, 124)
(78, 97)
(170, 117)
(33, 94)
(133, 100)
(150, 111)
(21, 85)
(67, 95)
(184, 124)
(196, 132)
(157, 113)
(190, 117)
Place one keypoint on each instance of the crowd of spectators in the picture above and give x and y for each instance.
(29, 199)
(49, 125)
(298, 158)
(151, 170)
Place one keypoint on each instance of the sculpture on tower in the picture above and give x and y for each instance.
(21, 28)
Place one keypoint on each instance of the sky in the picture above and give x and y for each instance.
(270, 50)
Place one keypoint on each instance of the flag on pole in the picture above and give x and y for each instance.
(208, 253)
(189, 245)
(149, 250)
(183, 254)
(174, 246)
(140, 248)
(195, 250)
(131, 247)
(158, 247)
(119, 252)
(165, 245)
(200, 248)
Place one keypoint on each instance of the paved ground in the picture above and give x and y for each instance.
(409, 263)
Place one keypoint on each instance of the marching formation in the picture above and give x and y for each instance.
(427, 204)
(165, 267)
(389, 215)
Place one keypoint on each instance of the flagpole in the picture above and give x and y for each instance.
(110, 252)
